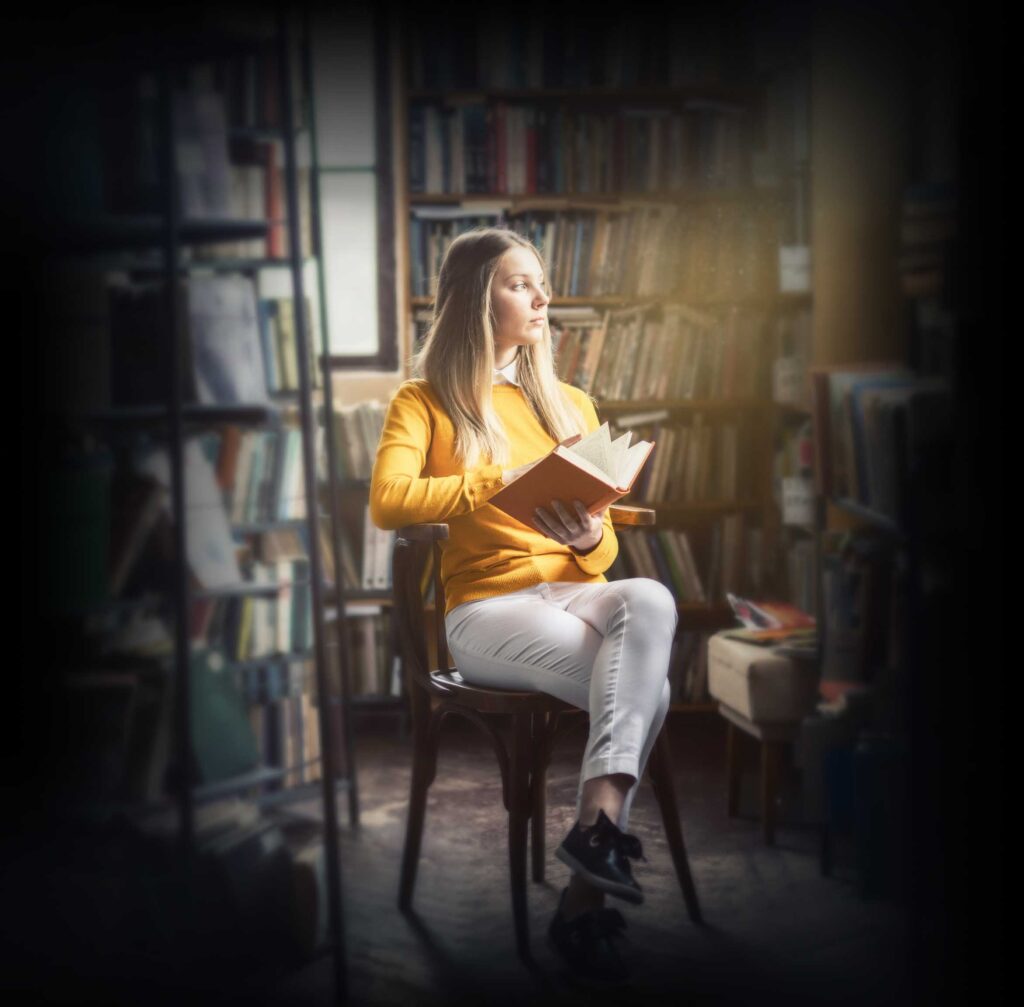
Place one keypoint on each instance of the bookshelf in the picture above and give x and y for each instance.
(665, 197)
(890, 479)
(183, 569)
(374, 679)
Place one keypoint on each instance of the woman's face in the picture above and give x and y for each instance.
(519, 303)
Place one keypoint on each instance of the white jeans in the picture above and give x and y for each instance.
(603, 648)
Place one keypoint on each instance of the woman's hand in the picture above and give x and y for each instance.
(580, 530)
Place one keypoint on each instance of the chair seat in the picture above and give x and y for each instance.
(452, 685)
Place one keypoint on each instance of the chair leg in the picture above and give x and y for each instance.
(662, 779)
(733, 768)
(424, 761)
(769, 780)
(518, 821)
(538, 793)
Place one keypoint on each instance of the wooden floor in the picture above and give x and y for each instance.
(775, 930)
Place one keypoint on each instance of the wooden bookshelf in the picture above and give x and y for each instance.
(758, 415)
(121, 557)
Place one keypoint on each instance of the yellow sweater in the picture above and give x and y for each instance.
(416, 479)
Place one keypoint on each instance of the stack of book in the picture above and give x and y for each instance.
(673, 353)
(357, 430)
(498, 147)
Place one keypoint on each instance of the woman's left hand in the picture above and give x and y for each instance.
(580, 530)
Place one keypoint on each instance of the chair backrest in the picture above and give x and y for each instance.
(414, 546)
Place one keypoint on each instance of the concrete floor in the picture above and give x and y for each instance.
(775, 930)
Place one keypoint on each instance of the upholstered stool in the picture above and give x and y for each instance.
(765, 695)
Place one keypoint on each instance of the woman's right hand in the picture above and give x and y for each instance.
(510, 475)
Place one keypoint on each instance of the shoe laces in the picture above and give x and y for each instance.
(629, 846)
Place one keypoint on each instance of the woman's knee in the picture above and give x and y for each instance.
(653, 601)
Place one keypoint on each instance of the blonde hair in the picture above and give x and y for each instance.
(457, 358)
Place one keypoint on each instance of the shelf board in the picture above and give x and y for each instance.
(693, 708)
(875, 518)
(675, 509)
(704, 614)
(591, 95)
(299, 792)
(234, 590)
(356, 595)
(253, 663)
(264, 132)
(146, 230)
(677, 405)
(85, 609)
(192, 413)
(243, 781)
(519, 202)
(260, 527)
(226, 264)
(629, 300)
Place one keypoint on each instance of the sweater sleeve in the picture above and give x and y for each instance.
(601, 557)
(399, 496)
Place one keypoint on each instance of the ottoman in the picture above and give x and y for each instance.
(765, 695)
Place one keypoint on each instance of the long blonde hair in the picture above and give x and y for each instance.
(457, 357)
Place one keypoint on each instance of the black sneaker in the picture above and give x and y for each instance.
(600, 854)
(586, 942)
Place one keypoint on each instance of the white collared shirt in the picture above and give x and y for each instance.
(506, 375)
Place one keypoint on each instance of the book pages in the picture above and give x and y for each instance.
(617, 460)
(596, 448)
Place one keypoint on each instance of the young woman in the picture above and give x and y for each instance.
(529, 607)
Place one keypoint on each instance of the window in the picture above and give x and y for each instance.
(352, 176)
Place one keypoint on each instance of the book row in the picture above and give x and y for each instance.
(928, 238)
(232, 479)
(696, 567)
(222, 173)
(693, 459)
(122, 723)
(259, 471)
(499, 147)
(245, 627)
(688, 668)
(670, 352)
(568, 51)
(874, 424)
(238, 347)
(374, 665)
(631, 250)
(357, 430)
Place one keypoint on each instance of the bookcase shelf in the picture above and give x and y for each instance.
(616, 301)
(610, 406)
(192, 414)
(124, 232)
(518, 202)
(169, 731)
(220, 264)
(590, 95)
(427, 122)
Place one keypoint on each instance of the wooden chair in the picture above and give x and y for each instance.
(537, 719)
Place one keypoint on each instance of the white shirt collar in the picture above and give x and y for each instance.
(506, 375)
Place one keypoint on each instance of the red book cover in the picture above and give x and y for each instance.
(275, 204)
(559, 476)
(531, 154)
(501, 149)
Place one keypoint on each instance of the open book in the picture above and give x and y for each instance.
(593, 469)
